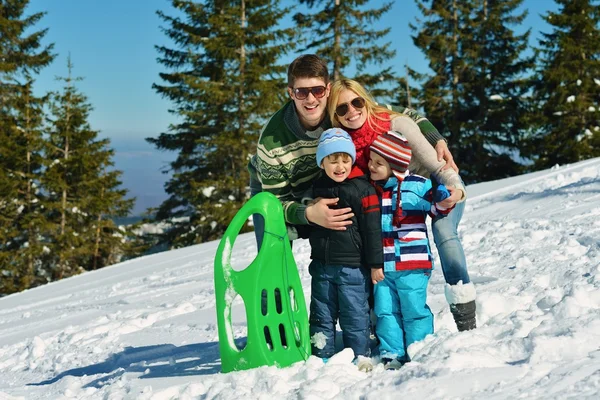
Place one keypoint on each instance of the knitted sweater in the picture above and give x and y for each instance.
(424, 157)
(285, 162)
(424, 160)
(406, 247)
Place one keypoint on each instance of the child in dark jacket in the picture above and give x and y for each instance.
(400, 291)
(342, 259)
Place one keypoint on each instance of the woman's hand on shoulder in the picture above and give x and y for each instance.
(455, 196)
(443, 153)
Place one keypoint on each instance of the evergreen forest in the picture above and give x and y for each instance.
(505, 105)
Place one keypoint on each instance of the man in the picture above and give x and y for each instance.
(285, 161)
(285, 166)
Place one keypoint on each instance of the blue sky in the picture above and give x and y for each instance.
(111, 44)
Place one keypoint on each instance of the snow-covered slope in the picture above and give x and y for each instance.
(146, 329)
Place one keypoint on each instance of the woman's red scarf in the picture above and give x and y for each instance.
(364, 136)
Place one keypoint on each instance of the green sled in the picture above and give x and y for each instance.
(278, 332)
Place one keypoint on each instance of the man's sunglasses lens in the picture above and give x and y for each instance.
(342, 109)
(317, 91)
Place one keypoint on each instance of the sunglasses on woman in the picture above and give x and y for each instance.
(342, 109)
(301, 93)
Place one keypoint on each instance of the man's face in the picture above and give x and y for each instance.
(311, 110)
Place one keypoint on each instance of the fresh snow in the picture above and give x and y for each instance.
(146, 328)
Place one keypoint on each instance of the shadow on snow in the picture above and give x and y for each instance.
(157, 361)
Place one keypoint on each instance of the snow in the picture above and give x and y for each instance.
(319, 340)
(496, 97)
(208, 191)
(571, 99)
(146, 328)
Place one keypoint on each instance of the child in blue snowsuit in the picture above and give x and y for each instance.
(400, 292)
(341, 260)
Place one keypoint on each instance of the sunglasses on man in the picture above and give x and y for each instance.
(301, 93)
(342, 109)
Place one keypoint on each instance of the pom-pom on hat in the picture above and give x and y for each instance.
(335, 140)
(394, 148)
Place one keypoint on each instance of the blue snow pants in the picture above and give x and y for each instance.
(339, 292)
(403, 316)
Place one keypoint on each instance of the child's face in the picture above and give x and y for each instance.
(337, 167)
(379, 167)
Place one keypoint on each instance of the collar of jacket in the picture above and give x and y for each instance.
(292, 121)
(391, 183)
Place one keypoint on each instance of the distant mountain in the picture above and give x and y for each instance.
(142, 167)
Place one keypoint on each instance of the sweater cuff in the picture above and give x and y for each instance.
(433, 137)
(295, 213)
(301, 214)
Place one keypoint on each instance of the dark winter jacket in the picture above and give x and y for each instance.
(360, 244)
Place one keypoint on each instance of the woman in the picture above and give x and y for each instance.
(350, 106)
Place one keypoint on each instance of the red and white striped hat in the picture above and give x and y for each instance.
(394, 148)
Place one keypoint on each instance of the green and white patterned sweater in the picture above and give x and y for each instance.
(285, 162)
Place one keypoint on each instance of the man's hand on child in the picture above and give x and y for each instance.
(377, 275)
(321, 214)
(455, 196)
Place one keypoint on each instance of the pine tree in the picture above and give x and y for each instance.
(500, 84)
(83, 188)
(21, 57)
(405, 94)
(21, 52)
(345, 33)
(566, 92)
(475, 95)
(112, 243)
(224, 81)
(22, 216)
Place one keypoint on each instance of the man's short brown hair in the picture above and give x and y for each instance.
(307, 66)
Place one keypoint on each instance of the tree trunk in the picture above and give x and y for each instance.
(337, 51)
(28, 196)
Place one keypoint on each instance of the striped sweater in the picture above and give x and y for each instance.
(406, 247)
(285, 160)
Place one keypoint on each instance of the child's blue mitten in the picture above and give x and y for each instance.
(441, 193)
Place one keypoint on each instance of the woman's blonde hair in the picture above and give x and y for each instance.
(373, 110)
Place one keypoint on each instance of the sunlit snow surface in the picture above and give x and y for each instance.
(146, 329)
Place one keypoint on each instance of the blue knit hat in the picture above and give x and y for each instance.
(335, 140)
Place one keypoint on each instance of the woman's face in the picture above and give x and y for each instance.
(354, 117)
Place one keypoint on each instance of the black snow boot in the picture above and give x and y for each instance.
(464, 315)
